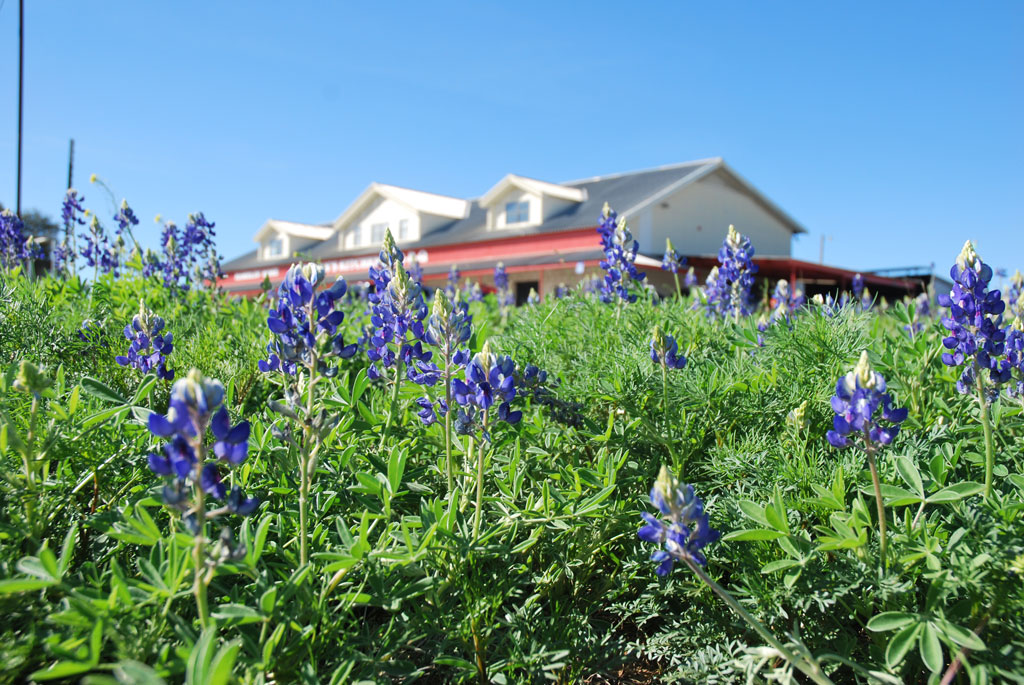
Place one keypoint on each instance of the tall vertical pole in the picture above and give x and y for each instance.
(71, 162)
(21, 90)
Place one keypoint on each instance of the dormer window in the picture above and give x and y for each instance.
(275, 247)
(377, 232)
(517, 212)
(403, 229)
(357, 235)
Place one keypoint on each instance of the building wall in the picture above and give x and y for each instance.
(496, 215)
(697, 219)
(382, 211)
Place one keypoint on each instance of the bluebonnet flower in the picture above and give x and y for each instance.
(671, 261)
(976, 340)
(922, 309)
(690, 280)
(149, 348)
(397, 313)
(683, 530)
(63, 255)
(125, 217)
(859, 396)
(506, 298)
(453, 282)
(1015, 357)
(730, 293)
(561, 291)
(416, 272)
(472, 292)
(619, 256)
(305, 323)
(99, 252)
(490, 381)
(197, 404)
(533, 298)
(15, 247)
(1015, 296)
(786, 301)
(665, 350)
(858, 286)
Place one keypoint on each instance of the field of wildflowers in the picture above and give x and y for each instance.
(372, 483)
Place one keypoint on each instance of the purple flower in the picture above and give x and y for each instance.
(305, 323)
(506, 298)
(727, 291)
(683, 530)
(859, 396)
(15, 247)
(665, 350)
(195, 405)
(150, 347)
(619, 256)
(489, 381)
(976, 339)
(671, 261)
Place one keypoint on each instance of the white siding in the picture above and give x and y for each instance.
(698, 217)
(382, 211)
(496, 215)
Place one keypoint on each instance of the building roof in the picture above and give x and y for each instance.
(295, 229)
(629, 193)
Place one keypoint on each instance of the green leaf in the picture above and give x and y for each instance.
(898, 497)
(957, 492)
(890, 620)
(900, 644)
(961, 636)
(930, 648)
(780, 565)
(753, 534)
(98, 389)
(219, 672)
(910, 474)
(775, 512)
(753, 511)
(237, 614)
(61, 669)
(14, 585)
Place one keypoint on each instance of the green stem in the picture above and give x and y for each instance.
(399, 367)
(810, 669)
(986, 425)
(679, 291)
(480, 484)
(304, 464)
(199, 540)
(449, 467)
(30, 469)
(870, 449)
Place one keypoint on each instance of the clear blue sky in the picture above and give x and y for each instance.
(894, 128)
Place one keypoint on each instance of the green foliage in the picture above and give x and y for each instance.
(95, 576)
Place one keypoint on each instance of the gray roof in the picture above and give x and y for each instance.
(623, 192)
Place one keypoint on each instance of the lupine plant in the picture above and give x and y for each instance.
(397, 313)
(305, 325)
(448, 329)
(728, 292)
(690, 280)
(1015, 295)
(665, 353)
(489, 382)
(149, 345)
(682, 533)
(197, 405)
(16, 249)
(672, 262)
(506, 297)
(619, 256)
(976, 340)
(866, 418)
(71, 210)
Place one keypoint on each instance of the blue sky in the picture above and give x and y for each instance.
(892, 128)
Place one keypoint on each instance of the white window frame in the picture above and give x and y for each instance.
(357, 235)
(517, 212)
(273, 243)
(382, 227)
(403, 229)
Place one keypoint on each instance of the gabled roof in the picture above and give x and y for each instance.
(294, 229)
(416, 200)
(532, 185)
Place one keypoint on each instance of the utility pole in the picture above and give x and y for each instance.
(21, 91)
(71, 162)
(821, 248)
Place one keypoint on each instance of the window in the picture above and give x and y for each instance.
(275, 247)
(517, 212)
(403, 229)
(357, 235)
(377, 232)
